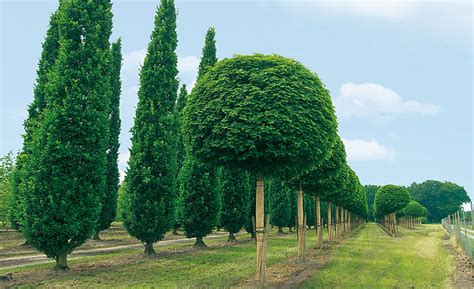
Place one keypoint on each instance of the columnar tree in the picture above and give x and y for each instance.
(199, 219)
(180, 104)
(151, 177)
(7, 169)
(279, 204)
(265, 114)
(388, 200)
(235, 185)
(109, 199)
(68, 164)
(16, 212)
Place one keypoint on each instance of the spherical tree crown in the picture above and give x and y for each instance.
(415, 210)
(390, 198)
(263, 113)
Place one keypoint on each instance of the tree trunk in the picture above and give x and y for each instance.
(96, 236)
(61, 262)
(337, 223)
(199, 242)
(329, 223)
(231, 238)
(175, 231)
(260, 231)
(280, 230)
(319, 235)
(149, 250)
(301, 228)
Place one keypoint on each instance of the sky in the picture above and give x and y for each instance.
(399, 72)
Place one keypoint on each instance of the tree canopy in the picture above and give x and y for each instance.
(439, 198)
(415, 210)
(390, 199)
(264, 113)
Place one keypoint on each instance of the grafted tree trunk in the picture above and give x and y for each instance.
(319, 233)
(337, 222)
(260, 231)
(301, 225)
(329, 222)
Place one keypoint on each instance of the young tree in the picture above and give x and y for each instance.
(199, 219)
(109, 200)
(201, 202)
(235, 186)
(49, 54)
(151, 177)
(68, 162)
(388, 200)
(370, 191)
(209, 55)
(7, 169)
(180, 104)
(279, 197)
(265, 114)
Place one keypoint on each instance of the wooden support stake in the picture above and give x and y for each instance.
(260, 231)
(301, 228)
(319, 233)
(329, 222)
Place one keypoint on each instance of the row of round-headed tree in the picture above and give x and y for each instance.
(389, 200)
(65, 185)
(270, 116)
(411, 214)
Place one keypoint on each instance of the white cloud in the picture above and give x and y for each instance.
(374, 100)
(367, 150)
(188, 64)
(382, 9)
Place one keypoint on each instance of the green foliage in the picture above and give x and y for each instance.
(151, 177)
(370, 191)
(21, 177)
(122, 205)
(201, 197)
(109, 200)
(390, 199)
(7, 170)
(329, 178)
(279, 203)
(235, 186)
(68, 160)
(263, 113)
(439, 198)
(209, 56)
(415, 210)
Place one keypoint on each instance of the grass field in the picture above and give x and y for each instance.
(370, 259)
(374, 260)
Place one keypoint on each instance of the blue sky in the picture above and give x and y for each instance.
(399, 72)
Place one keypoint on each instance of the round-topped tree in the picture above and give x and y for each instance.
(266, 114)
(388, 200)
(412, 211)
(325, 182)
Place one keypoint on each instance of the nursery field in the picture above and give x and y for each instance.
(367, 259)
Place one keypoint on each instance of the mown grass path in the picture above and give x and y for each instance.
(372, 259)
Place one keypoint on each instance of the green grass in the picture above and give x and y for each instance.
(215, 267)
(374, 260)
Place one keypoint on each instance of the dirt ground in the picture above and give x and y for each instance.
(463, 273)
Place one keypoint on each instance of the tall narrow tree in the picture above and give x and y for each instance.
(109, 201)
(16, 212)
(151, 177)
(235, 186)
(279, 204)
(180, 104)
(68, 164)
(198, 217)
